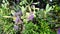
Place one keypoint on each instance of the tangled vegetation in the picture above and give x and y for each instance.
(29, 17)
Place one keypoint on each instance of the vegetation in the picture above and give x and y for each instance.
(29, 16)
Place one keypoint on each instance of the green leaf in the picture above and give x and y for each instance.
(48, 9)
(47, 6)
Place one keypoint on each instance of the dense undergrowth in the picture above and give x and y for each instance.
(24, 18)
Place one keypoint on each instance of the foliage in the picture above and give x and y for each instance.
(25, 18)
